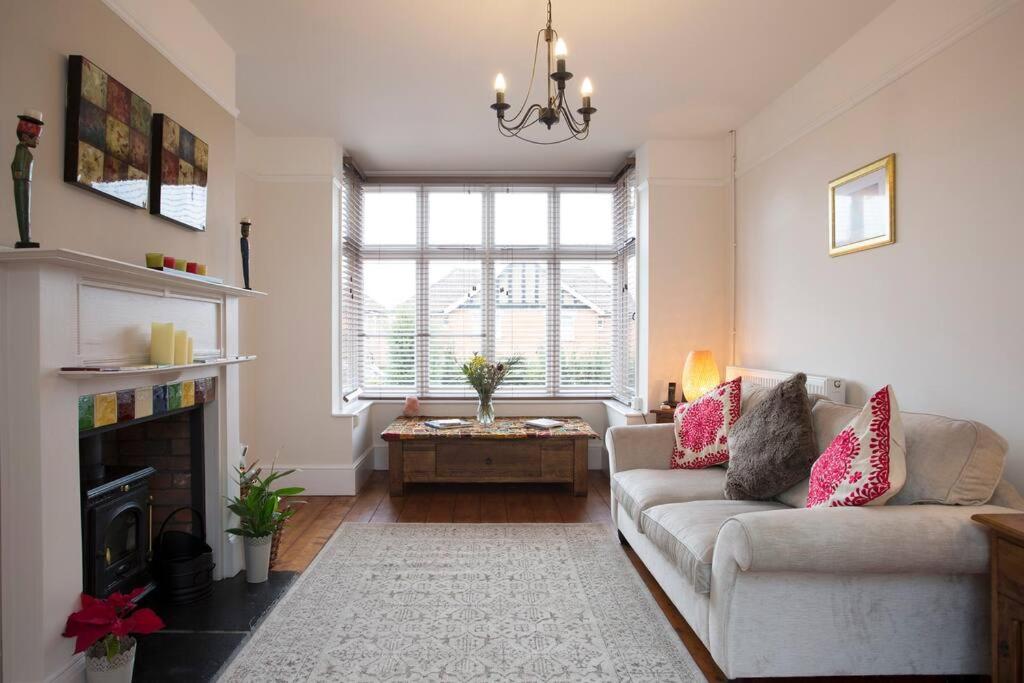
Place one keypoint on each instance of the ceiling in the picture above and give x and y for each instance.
(405, 85)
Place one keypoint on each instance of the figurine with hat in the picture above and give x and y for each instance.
(30, 127)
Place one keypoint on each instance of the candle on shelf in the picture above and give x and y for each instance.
(189, 357)
(180, 347)
(201, 269)
(168, 261)
(161, 344)
(180, 263)
(154, 259)
(191, 266)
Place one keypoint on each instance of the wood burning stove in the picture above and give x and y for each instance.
(116, 531)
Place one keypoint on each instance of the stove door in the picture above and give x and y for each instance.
(118, 544)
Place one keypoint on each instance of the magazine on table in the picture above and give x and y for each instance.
(543, 423)
(447, 423)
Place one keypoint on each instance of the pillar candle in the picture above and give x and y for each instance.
(180, 347)
(161, 344)
(189, 358)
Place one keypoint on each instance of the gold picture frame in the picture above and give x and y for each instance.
(864, 217)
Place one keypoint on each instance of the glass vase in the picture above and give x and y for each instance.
(485, 411)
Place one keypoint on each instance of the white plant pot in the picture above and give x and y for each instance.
(103, 670)
(257, 558)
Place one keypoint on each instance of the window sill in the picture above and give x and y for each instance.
(503, 401)
(621, 408)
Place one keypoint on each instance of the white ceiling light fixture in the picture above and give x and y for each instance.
(555, 109)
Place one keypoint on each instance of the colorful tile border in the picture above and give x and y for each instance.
(100, 410)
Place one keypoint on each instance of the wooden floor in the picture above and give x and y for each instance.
(316, 521)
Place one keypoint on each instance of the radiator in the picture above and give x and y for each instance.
(832, 388)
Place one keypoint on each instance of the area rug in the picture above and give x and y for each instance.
(466, 602)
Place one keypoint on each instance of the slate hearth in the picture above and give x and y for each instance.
(200, 638)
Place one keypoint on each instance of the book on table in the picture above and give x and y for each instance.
(447, 424)
(543, 423)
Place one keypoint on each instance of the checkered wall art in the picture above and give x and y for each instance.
(108, 138)
(180, 165)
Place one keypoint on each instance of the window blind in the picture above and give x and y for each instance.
(448, 271)
(351, 284)
(626, 329)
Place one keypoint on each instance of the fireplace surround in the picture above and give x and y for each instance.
(62, 308)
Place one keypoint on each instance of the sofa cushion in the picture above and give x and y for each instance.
(772, 447)
(702, 427)
(638, 490)
(949, 461)
(686, 533)
(866, 463)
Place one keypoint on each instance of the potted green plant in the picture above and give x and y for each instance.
(261, 513)
(485, 377)
(102, 629)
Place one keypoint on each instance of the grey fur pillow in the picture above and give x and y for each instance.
(772, 446)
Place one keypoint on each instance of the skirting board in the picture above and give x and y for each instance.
(74, 672)
(597, 457)
(331, 480)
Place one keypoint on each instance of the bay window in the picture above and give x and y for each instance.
(431, 275)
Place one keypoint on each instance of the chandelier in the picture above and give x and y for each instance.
(555, 108)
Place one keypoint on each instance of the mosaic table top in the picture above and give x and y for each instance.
(409, 428)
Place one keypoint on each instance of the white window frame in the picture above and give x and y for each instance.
(488, 253)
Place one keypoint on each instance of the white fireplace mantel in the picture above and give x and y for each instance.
(63, 308)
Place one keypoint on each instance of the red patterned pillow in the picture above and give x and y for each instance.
(866, 463)
(702, 427)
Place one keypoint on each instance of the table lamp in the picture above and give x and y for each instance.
(700, 374)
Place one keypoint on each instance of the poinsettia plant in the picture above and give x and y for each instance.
(109, 621)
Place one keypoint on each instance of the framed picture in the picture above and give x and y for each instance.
(862, 208)
(180, 164)
(108, 140)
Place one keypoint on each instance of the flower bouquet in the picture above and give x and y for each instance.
(101, 629)
(485, 378)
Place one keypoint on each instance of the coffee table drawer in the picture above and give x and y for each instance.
(419, 462)
(556, 461)
(490, 460)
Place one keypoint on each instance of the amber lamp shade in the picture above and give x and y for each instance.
(700, 374)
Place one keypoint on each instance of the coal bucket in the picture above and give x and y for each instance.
(183, 562)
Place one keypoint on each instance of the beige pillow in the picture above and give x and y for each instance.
(953, 462)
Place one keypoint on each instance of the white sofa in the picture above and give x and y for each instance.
(774, 590)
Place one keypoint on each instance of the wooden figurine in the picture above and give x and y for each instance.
(30, 127)
(244, 243)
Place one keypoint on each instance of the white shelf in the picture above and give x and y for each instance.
(82, 374)
(125, 271)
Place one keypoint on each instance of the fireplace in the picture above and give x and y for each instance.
(64, 309)
(135, 475)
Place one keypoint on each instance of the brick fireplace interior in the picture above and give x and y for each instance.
(134, 476)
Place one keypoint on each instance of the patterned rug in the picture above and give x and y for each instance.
(466, 602)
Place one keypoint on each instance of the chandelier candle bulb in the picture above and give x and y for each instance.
(161, 344)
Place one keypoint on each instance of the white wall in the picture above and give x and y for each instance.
(287, 187)
(938, 314)
(684, 252)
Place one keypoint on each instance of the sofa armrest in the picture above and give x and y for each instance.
(920, 539)
(639, 447)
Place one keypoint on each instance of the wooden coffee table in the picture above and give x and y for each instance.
(506, 451)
